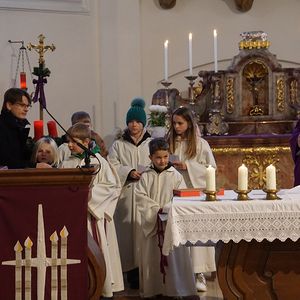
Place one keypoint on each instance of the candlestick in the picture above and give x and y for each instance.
(52, 128)
(166, 59)
(215, 51)
(242, 178)
(28, 244)
(18, 271)
(63, 268)
(210, 179)
(54, 286)
(211, 195)
(38, 130)
(271, 194)
(242, 195)
(167, 117)
(191, 54)
(271, 177)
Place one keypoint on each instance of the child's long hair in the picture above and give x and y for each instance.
(191, 136)
(40, 143)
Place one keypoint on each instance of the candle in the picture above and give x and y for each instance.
(38, 130)
(63, 268)
(215, 51)
(18, 271)
(191, 54)
(166, 60)
(271, 177)
(28, 244)
(54, 286)
(23, 80)
(243, 178)
(52, 128)
(210, 179)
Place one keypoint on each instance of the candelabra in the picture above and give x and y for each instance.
(166, 84)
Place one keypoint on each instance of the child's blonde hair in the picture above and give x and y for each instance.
(53, 148)
(79, 131)
(187, 115)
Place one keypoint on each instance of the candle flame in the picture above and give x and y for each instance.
(18, 247)
(209, 166)
(54, 237)
(64, 232)
(190, 36)
(215, 32)
(28, 243)
(243, 165)
(166, 43)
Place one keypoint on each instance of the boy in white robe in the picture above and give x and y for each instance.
(153, 191)
(103, 197)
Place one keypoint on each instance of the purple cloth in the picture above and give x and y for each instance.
(295, 152)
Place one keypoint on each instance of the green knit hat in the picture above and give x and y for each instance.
(136, 112)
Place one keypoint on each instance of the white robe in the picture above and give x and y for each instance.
(104, 192)
(195, 177)
(153, 191)
(125, 156)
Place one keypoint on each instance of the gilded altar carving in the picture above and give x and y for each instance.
(229, 95)
(293, 91)
(280, 94)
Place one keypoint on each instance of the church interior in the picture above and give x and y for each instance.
(239, 73)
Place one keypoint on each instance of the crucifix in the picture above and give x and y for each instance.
(41, 72)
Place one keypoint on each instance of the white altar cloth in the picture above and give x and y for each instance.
(193, 221)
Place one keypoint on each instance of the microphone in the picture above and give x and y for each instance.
(87, 151)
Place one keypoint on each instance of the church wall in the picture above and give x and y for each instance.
(114, 52)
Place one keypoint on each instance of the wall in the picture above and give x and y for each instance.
(114, 52)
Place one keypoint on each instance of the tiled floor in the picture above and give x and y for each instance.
(213, 291)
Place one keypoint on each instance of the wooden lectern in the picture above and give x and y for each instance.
(46, 251)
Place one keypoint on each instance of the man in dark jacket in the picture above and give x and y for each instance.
(13, 134)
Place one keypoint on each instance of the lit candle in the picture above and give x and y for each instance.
(215, 51)
(191, 54)
(18, 271)
(166, 60)
(54, 287)
(23, 80)
(243, 178)
(271, 177)
(210, 179)
(63, 268)
(52, 128)
(28, 244)
(38, 130)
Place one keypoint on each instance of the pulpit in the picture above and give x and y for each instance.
(44, 238)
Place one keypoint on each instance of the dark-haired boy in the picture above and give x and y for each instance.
(153, 191)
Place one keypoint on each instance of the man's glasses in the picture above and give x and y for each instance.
(23, 105)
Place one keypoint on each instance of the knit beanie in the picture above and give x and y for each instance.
(136, 112)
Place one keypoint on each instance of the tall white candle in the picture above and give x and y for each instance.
(63, 268)
(18, 271)
(210, 178)
(28, 244)
(216, 51)
(166, 59)
(243, 178)
(191, 54)
(271, 177)
(54, 286)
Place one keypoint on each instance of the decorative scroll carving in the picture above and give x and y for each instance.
(280, 94)
(293, 91)
(229, 95)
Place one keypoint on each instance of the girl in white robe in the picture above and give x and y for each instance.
(127, 154)
(195, 156)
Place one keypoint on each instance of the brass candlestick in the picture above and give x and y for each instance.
(191, 80)
(242, 195)
(271, 194)
(211, 195)
(166, 84)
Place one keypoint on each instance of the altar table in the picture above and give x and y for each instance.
(257, 241)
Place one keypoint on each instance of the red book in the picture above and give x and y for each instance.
(192, 192)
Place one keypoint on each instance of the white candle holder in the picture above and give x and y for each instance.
(211, 195)
(242, 195)
(166, 84)
(271, 194)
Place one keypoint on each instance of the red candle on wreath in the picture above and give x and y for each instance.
(38, 130)
(23, 80)
(52, 128)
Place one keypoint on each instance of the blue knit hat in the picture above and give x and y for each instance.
(136, 112)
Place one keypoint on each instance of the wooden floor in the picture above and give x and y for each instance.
(213, 292)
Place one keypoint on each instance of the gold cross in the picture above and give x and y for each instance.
(41, 49)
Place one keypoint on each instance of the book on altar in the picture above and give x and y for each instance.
(196, 192)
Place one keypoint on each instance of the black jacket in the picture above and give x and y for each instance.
(13, 136)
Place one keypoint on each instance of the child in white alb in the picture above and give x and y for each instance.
(153, 191)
